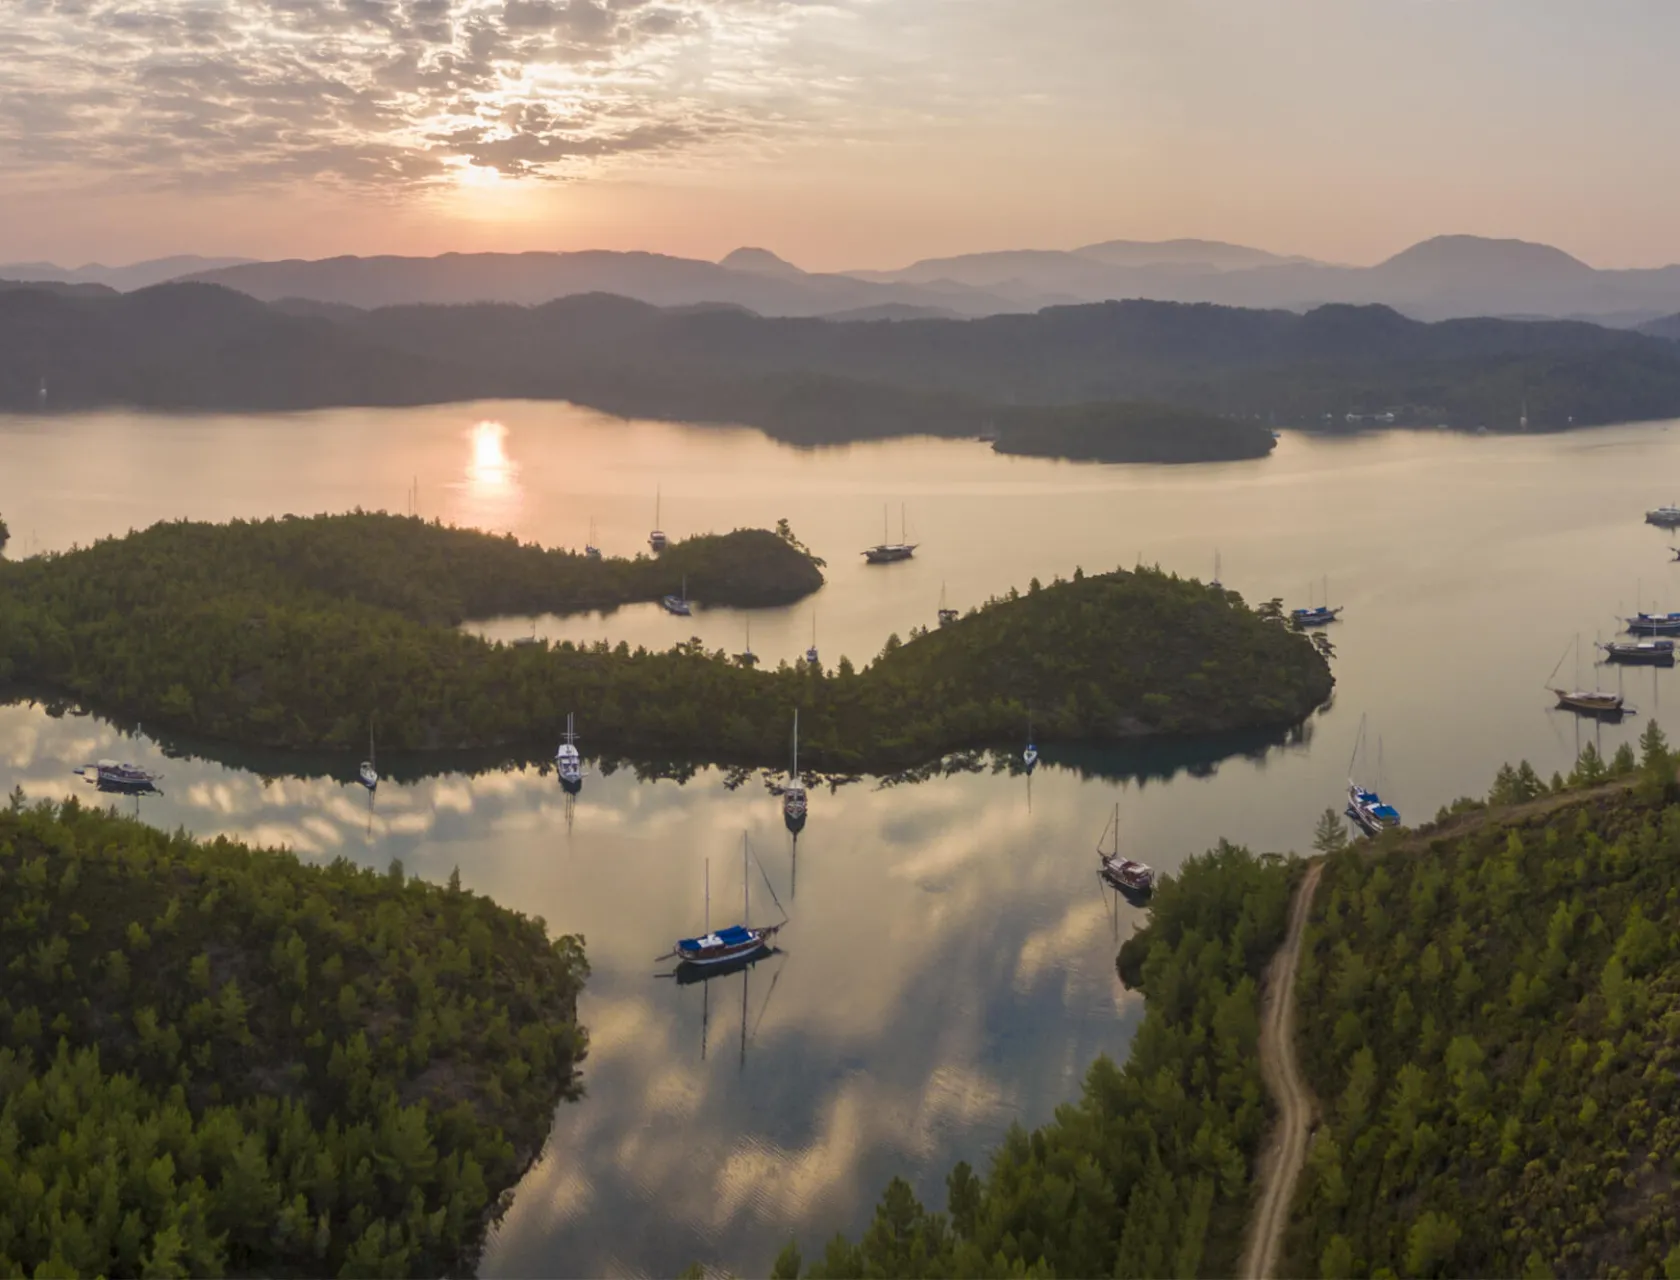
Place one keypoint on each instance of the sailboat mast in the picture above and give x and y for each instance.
(796, 744)
(708, 895)
(903, 525)
(746, 883)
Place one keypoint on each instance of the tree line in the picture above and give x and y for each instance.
(217, 1059)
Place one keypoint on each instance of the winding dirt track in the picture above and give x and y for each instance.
(1281, 1168)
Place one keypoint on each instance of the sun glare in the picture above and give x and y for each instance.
(490, 465)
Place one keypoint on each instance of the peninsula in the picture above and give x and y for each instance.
(215, 1060)
(297, 633)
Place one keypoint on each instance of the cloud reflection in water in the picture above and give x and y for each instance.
(948, 968)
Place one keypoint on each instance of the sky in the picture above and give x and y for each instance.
(838, 133)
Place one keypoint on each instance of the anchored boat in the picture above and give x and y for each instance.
(678, 604)
(1368, 811)
(367, 772)
(795, 806)
(890, 552)
(1651, 653)
(1316, 615)
(946, 616)
(109, 775)
(568, 764)
(1136, 879)
(1654, 624)
(1664, 517)
(738, 941)
(656, 539)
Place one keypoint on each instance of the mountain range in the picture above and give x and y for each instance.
(1442, 278)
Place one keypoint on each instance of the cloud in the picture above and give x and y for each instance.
(395, 95)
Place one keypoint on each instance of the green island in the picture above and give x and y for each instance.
(298, 633)
(216, 1059)
(1125, 432)
(1148, 1173)
(1486, 1011)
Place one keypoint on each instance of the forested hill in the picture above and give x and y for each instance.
(285, 634)
(1488, 1016)
(202, 346)
(215, 1060)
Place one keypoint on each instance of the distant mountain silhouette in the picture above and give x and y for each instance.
(769, 285)
(1663, 327)
(137, 275)
(761, 262)
(1447, 277)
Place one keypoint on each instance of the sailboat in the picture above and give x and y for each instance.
(1666, 517)
(747, 658)
(366, 773)
(1030, 755)
(1579, 700)
(590, 550)
(890, 552)
(811, 655)
(1365, 806)
(794, 804)
(656, 539)
(678, 604)
(738, 941)
(946, 615)
(567, 762)
(1316, 615)
(1132, 878)
(1216, 584)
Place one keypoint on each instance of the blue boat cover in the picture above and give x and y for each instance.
(1385, 812)
(734, 936)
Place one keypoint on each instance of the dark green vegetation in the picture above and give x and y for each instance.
(1488, 1015)
(1148, 1173)
(296, 633)
(217, 1060)
(1120, 432)
(186, 346)
(5, 535)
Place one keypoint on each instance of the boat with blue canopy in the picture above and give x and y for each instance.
(1368, 811)
(737, 942)
(1654, 624)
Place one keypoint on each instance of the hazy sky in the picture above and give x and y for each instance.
(841, 133)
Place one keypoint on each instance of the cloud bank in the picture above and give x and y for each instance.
(387, 95)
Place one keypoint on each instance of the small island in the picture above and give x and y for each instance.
(297, 634)
(217, 1060)
(1128, 432)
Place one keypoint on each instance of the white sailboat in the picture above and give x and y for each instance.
(1030, 755)
(678, 604)
(568, 764)
(656, 539)
(811, 655)
(794, 803)
(889, 552)
(366, 773)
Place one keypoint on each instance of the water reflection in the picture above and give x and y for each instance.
(492, 490)
(946, 968)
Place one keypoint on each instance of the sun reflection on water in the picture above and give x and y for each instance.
(492, 490)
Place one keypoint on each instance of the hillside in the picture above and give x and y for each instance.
(265, 640)
(1487, 1015)
(815, 381)
(216, 1060)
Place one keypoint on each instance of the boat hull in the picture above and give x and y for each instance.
(728, 953)
(676, 605)
(889, 554)
(1314, 617)
(1640, 655)
(1131, 878)
(1607, 706)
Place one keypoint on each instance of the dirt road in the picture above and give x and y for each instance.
(1281, 1168)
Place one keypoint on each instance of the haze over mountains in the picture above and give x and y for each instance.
(1441, 278)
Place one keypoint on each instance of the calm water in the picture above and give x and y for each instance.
(949, 965)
